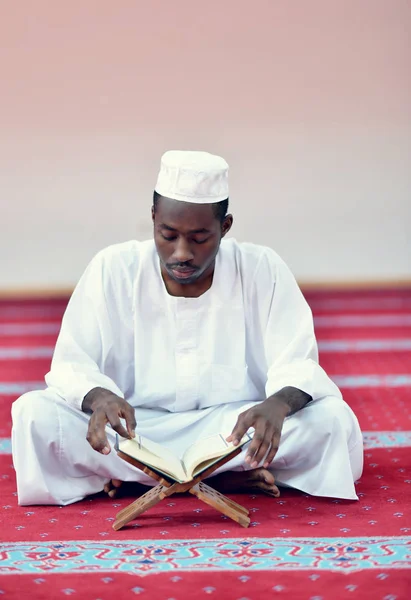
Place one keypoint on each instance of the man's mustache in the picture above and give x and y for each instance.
(182, 266)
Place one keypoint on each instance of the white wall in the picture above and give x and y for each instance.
(309, 102)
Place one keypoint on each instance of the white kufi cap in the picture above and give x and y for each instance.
(197, 177)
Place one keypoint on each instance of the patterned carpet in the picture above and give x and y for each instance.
(296, 547)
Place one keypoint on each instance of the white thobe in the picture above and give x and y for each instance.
(188, 366)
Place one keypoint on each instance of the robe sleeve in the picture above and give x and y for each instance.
(85, 338)
(288, 330)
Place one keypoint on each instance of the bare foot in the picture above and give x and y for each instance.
(258, 480)
(116, 488)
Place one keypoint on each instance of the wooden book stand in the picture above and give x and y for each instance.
(166, 488)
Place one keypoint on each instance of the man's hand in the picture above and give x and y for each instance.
(106, 407)
(267, 418)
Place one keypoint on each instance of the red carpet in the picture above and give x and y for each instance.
(296, 547)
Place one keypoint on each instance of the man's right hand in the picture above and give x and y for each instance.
(106, 407)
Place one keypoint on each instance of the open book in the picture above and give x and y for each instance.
(198, 457)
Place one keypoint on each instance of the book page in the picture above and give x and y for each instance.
(154, 455)
(202, 451)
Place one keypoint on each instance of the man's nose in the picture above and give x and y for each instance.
(182, 252)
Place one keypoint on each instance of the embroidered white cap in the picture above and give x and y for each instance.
(197, 177)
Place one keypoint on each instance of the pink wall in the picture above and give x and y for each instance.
(309, 102)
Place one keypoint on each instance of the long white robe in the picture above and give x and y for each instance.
(189, 366)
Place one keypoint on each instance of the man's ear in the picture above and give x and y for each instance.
(227, 224)
(152, 213)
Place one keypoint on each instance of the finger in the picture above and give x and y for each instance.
(243, 423)
(258, 439)
(129, 416)
(96, 434)
(275, 442)
(263, 449)
(114, 420)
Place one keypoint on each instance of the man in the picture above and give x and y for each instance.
(180, 338)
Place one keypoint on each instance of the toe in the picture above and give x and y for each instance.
(274, 492)
(268, 477)
(266, 487)
(262, 475)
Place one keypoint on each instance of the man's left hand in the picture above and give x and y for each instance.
(267, 418)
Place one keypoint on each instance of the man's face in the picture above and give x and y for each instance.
(187, 238)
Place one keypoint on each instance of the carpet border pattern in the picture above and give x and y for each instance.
(344, 555)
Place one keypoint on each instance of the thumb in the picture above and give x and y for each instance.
(239, 430)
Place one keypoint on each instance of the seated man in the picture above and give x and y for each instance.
(179, 338)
